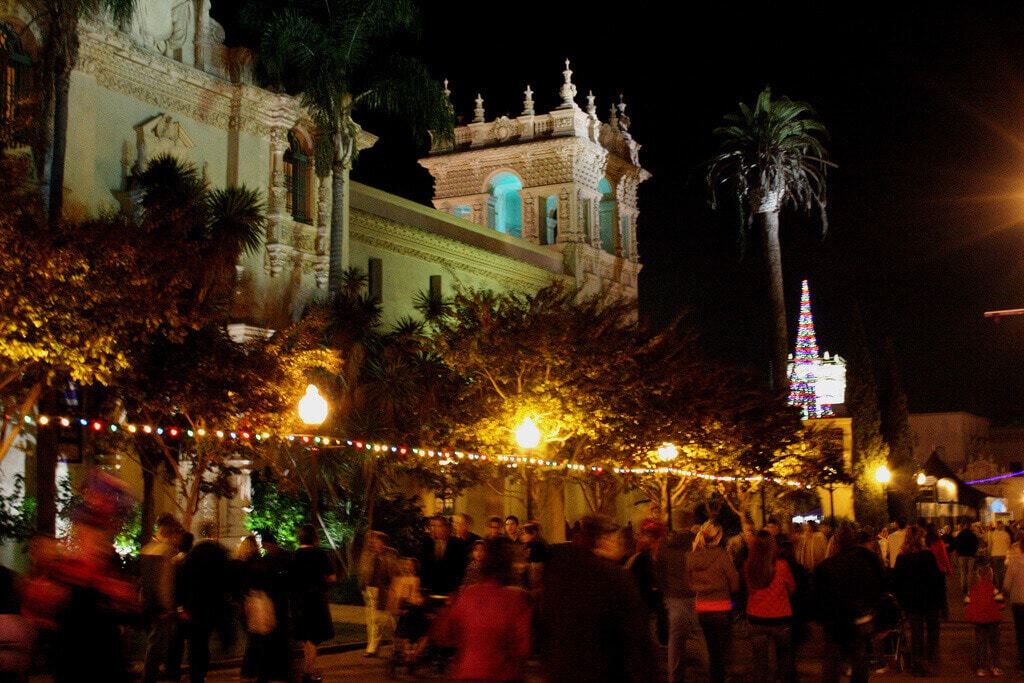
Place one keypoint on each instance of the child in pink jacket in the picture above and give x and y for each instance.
(985, 611)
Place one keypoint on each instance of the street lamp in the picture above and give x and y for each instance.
(528, 436)
(313, 412)
(883, 476)
(668, 452)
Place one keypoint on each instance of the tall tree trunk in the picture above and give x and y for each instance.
(345, 141)
(60, 142)
(148, 503)
(769, 229)
(46, 465)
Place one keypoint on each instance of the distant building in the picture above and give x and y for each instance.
(817, 383)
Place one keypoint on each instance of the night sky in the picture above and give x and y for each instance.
(926, 206)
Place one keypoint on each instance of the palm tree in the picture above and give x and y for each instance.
(61, 18)
(772, 157)
(343, 55)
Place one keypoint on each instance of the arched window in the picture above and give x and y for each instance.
(297, 168)
(505, 206)
(607, 215)
(14, 73)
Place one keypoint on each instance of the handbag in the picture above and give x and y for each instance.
(259, 613)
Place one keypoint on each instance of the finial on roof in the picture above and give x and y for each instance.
(528, 102)
(447, 92)
(591, 106)
(613, 116)
(568, 90)
(478, 113)
(623, 119)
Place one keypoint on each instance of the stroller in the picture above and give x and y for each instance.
(891, 642)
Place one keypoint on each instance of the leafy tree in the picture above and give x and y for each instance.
(870, 451)
(346, 56)
(896, 432)
(772, 156)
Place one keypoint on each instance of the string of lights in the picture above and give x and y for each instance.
(444, 457)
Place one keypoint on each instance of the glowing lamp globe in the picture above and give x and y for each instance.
(668, 452)
(313, 406)
(883, 475)
(527, 434)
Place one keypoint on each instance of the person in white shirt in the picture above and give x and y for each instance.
(883, 545)
(896, 542)
(999, 541)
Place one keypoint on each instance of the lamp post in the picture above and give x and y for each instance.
(668, 452)
(313, 412)
(527, 437)
(883, 476)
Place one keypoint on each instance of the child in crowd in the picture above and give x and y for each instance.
(406, 602)
(985, 611)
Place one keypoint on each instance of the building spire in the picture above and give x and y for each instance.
(528, 102)
(568, 90)
(478, 112)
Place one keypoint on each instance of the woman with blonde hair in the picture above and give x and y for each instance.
(714, 579)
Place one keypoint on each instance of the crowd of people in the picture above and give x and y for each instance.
(593, 608)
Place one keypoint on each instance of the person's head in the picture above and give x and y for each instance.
(439, 527)
(188, 539)
(376, 541)
(477, 551)
(512, 526)
(772, 526)
(531, 532)
(248, 548)
(812, 526)
(709, 536)
(760, 566)
(600, 534)
(462, 525)
(498, 561)
(884, 532)
(984, 572)
(308, 536)
(494, 527)
(168, 529)
(209, 528)
(913, 541)
(844, 537)
(931, 533)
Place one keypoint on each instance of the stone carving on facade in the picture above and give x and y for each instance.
(504, 129)
(277, 257)
(165, 27)
(161, 134)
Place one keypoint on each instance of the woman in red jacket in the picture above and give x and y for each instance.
(769, 585)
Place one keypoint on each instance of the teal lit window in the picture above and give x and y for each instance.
(504, 205)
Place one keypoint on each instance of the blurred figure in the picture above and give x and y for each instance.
(259, 616)
(443, 559)
(1013, 590)
(408, 606)
(919, 589)
(495, 527)
(670, 570)
(537, 555)
(476, 558)
(16, 635)
(999, 540)
(488, 622)
(714, 580)
(592, 615)
(376, 567)
(985, 611)
(462, 528)
(311, 573)
(205, 599)
(99, 600)
(966, 546)
(846, 586)
(179, 636)
(769, 586)
(275, 564)
(812, 547)
(159, 608)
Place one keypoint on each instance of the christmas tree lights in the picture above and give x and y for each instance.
(806, 359)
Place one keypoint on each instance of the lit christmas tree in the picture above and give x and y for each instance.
(806, 358)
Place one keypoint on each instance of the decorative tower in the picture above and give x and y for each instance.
(563, 180)
(803, 376)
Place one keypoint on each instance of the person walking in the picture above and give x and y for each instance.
(714, 580)
(376, 567)
(918, 587)
(680, 600)
(770, 584)
(1013, 590)
(592, 616)
(985, 611)
(813, 546)
(933, 541)
(159, 608)
(311, 573)
(205, 599)
(966, 546)
(999, 541)
(488, 622)
(846, 587)
(275, 564)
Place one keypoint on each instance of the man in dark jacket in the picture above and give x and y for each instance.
(846, 586)
(965, 544)
(159, 609)
(444, 558)
(670, 571)
(593, 620)
(206, 590)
